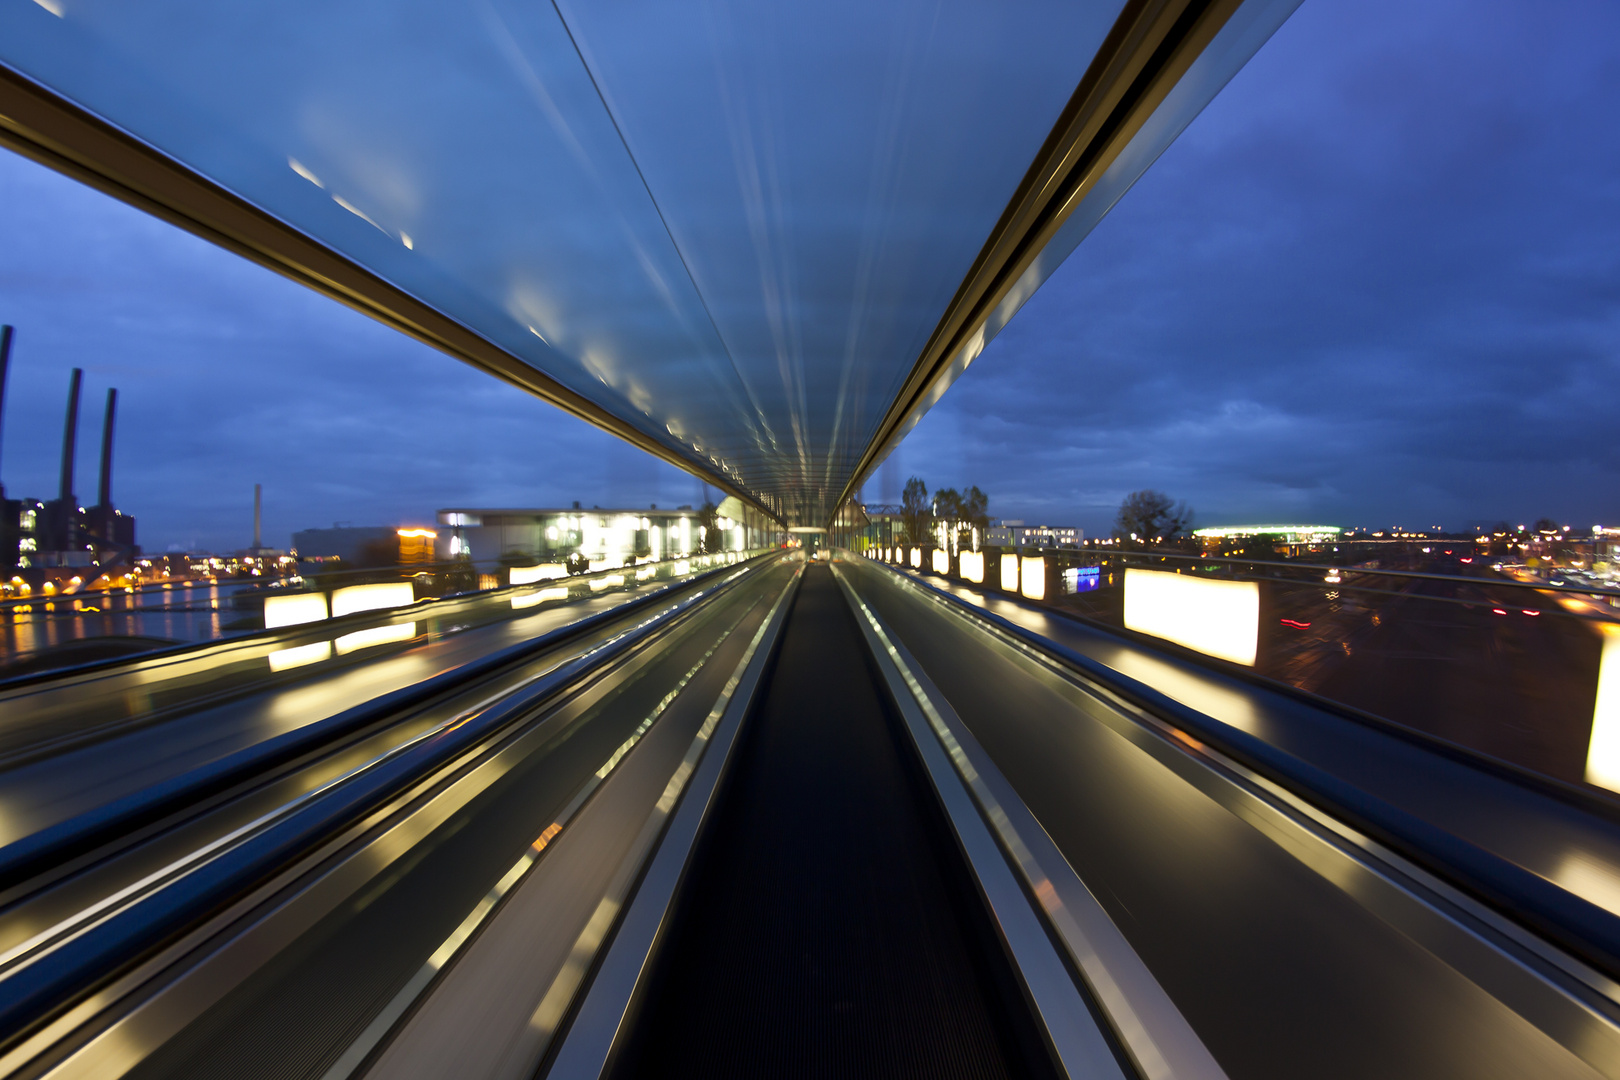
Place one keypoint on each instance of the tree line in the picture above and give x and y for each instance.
(959, 511)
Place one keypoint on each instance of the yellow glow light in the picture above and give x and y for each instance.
(292, 610)
(299, 655)
(971, 566)
(916, 558)
(606, 581)
(424, 534)
(385, 594)
(942, 561)
(1034, 575)
(375, 635)
(1009, 573)
(527, 575)
(1603, 752)
(682, 568)
(1219, 618)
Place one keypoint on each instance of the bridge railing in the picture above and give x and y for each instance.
(1517, 663)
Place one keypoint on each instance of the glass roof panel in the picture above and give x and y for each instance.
(732, 225)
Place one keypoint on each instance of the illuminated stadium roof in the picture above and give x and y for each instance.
(1294, 534)
(757, 240)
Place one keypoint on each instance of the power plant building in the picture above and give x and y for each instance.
(38, 534)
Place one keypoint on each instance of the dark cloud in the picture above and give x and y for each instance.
(1378, 280)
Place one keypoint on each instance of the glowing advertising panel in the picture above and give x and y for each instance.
(1603, 752)
(386, 594)
(1219, 618)
(293, 609)
(1009, 573)
(1079, 579)
(971, 566)
(1034, 575)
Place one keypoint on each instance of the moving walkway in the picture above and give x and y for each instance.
(809, 819)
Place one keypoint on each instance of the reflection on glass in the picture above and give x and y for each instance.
(374, 635)
(299, 655)
(735, 230)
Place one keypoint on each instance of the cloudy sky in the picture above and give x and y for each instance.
(1377, 281)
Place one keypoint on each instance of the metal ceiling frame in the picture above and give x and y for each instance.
(43, 126)
(1152, 45)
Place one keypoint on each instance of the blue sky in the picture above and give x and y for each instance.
(1377, 281)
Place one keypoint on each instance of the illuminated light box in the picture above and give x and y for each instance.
(299, 655)
(375, 635)
(1033, 572)
(681, 568)
(540, 596)
(1218, 618)
(528, 575)
(386, 594)
(1079, 579)
(1009, 573)
(606, 581)
(645, 572)
(942, 561)
(971, 566)
(916, 558)
(1603, 752)
(294, 609)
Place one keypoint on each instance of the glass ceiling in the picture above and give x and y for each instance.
(733, 225)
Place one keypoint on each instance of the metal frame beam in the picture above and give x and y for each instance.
(1150, 48)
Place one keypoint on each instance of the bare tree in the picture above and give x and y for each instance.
(976, 508)
(708, 516)
(1147, 517)
(916, 512)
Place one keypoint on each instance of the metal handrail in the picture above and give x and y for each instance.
(1577, 590)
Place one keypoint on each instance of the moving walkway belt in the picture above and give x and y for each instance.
(827, 925)
(483, 710)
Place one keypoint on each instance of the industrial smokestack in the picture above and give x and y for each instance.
(5, 363)
(104, 492)
(70, 436)
(257, 506)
